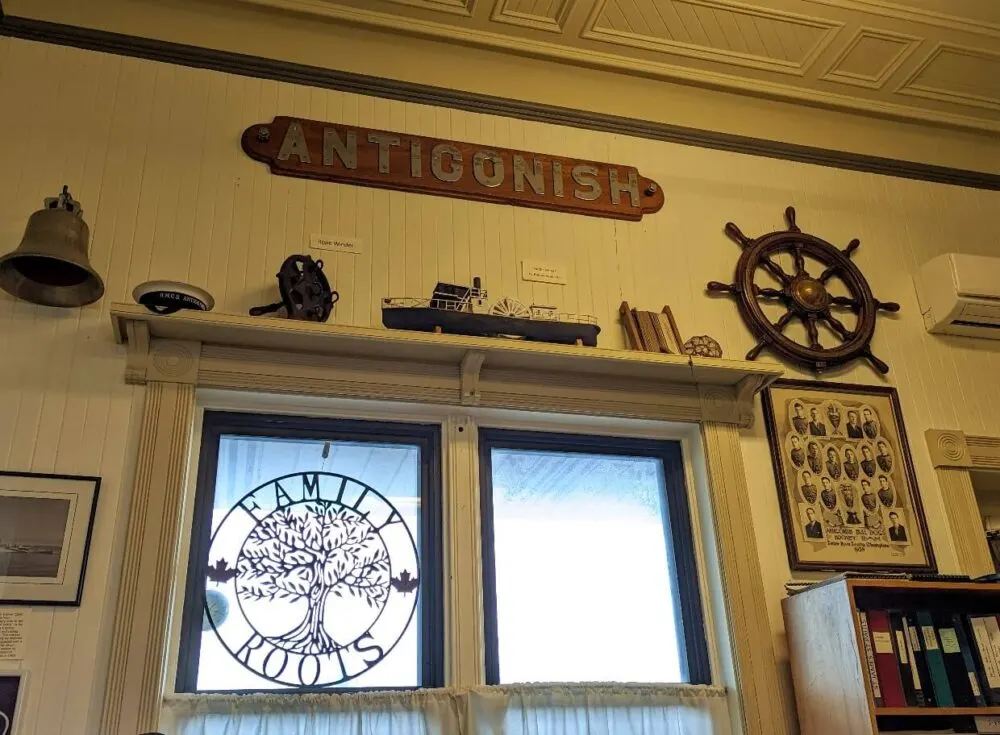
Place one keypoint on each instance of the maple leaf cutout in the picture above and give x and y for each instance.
(404, 582)
(220, 571)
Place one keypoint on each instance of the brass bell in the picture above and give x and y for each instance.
(50, 266)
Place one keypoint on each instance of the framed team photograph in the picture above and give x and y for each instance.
(848, 494)
(46, 522)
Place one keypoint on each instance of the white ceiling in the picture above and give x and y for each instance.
(929, 60)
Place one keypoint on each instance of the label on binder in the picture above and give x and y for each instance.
(949, 640)
(883, 641)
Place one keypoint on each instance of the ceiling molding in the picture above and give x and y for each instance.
(554, 23)
(836, 73)
(466, 8)
(281, 71)
(912, 87)
(605, 60)
(828, 31)
(916, 15)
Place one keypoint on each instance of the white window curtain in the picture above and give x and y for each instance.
(583, 709)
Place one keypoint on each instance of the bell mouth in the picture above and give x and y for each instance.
(41, 279)
(50, 271)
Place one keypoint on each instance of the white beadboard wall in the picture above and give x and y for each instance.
(152, 152)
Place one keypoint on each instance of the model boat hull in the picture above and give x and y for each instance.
(488, 325)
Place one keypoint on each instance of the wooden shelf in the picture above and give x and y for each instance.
(309, 337)
(281, 355)
(936, 711)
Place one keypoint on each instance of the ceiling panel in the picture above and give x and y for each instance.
(713, 30)
(924, 60)
(968, 76)
(871, 58)
(545, 15)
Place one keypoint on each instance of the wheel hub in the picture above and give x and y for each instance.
(809, 294)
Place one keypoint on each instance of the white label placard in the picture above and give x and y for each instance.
(337, 243)
(12, 634)
(534, 270)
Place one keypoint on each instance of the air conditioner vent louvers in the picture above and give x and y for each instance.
(960, 294)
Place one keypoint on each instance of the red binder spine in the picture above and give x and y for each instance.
(886, 663)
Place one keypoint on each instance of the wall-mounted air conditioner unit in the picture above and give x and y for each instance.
(960, 294)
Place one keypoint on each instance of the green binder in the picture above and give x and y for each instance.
(935, 660)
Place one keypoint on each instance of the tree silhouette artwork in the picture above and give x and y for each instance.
(311, 551)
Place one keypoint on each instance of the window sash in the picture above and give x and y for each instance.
(680, 546)
(431, 606)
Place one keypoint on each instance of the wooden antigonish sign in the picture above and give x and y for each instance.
(350, 155)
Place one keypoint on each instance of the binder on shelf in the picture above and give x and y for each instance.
(935, 660)
(919, 658)
(886, 663)
(870, 659)
(963, 691)
(982, 652)
(903, 655)
(913, 670)
(976, 682)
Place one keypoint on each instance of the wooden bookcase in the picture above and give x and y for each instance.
(832, 693)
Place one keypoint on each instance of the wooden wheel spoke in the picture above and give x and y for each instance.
(800, 262)
(846, 302)
(775, 270)
(829, 273)
(771, 293)
(812, 331)
(837, 326)
(783, 321)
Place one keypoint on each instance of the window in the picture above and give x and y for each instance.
(588, 561)
(315, 557)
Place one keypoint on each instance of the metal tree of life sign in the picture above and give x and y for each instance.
(325, 574)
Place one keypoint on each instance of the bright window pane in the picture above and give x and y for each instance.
(312, 567)
(583, 579)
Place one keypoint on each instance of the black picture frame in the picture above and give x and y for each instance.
(81, 493)
(812, 393)
(11, 695)
(431, 607)
(692, 641)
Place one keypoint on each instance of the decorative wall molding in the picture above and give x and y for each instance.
(948, 448)
(464, 586)
(257, 67)
(762, 698)
(965, 521)
(826, 31)
(281, 356)
(875, 78)
(954, 454)
(138, 649)
(984, 451)
(954, 448)
(174, 361)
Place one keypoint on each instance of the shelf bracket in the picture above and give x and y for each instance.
(472, 363)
